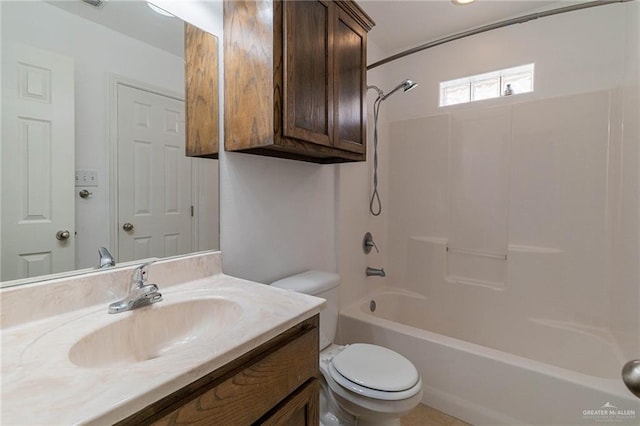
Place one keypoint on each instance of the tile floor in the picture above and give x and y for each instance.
(427, 416)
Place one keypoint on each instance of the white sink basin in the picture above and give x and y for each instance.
(151, 332)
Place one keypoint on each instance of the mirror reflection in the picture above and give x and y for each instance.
(93, 139)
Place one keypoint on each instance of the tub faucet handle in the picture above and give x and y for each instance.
(368, 243)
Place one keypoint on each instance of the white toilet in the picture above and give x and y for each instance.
(363, 384)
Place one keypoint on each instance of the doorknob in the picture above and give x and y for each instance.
(63, 235)
(127, 227)
(631, 376)
(85, 194)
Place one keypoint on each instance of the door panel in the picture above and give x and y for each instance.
(307, 67)
(38, 139)
(154, 176)
(350, 71)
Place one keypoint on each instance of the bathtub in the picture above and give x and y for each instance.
(529, 371)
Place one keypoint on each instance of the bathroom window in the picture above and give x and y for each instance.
(506, 82)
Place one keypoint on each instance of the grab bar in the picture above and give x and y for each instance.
(631, 376)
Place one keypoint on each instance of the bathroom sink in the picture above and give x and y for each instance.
(154, 331)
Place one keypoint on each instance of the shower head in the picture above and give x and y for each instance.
(406, 85)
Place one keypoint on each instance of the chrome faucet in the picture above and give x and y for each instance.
(106, 260)
(140, 294)
(374, 272)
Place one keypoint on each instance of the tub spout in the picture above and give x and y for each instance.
(374, 272)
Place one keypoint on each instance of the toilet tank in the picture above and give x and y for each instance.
(320, 284)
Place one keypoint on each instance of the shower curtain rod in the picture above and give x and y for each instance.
(496, 25)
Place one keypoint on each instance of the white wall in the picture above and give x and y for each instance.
(278, 217)
(572, 52)
(47, 27)
(564, 197)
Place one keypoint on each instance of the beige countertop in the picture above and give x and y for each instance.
(42, 385)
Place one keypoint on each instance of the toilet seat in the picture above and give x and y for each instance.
(375, 372)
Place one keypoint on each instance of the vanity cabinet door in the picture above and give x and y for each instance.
(275, 382)
(300, 409)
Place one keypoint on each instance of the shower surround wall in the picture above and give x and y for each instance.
(506, 217)
(523, 208)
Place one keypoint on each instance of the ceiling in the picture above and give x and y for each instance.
(400, 24)
(133, 18)
(404, 24)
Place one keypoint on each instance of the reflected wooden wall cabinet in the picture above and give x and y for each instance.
(295, 79)
(201, 92)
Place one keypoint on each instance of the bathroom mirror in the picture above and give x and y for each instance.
(93, 139)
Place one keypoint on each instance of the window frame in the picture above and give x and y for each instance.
(472, 82)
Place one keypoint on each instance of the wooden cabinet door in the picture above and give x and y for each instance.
(299, 409)
(350, 58)
(308, 97)
(201, 92)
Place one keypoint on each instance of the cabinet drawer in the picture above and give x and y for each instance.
(300, 409)
(247, 395)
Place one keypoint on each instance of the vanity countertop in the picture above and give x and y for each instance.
(42, 385)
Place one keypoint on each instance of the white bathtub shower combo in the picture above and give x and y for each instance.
(512, 266)
(474, 381)
(511, 240)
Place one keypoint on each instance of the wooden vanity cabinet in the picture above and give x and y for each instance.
(301, 408)
(295, 79)
(273, 384)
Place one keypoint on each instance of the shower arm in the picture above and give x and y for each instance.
(406, 85)
(395, 89)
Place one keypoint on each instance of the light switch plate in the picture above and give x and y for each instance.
(86, 178)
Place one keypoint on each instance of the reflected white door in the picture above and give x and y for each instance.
(154, 176)
(37, 162)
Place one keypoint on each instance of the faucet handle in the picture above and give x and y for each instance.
(106, 259)
(368, 243)
(140, 274)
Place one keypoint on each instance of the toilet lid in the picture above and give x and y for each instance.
(375, 367)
